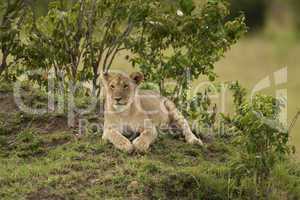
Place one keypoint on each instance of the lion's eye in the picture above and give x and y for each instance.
(126, 86)
(112, 86)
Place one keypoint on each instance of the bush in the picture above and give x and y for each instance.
(201, 111)
(178, 41)
(262, 139)
(183, 43)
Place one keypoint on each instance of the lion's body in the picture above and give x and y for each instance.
(138, 113)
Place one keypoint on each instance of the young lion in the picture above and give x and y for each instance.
(130, 112)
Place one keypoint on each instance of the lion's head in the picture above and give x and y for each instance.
(120, 89)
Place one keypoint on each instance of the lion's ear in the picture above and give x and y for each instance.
(137, 77)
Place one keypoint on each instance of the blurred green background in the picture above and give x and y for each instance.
(272, 43)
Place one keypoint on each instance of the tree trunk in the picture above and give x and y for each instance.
(97, 91)
(2, 68)
(3, 64)
(95, 85)
(162, 87)
(101, 106)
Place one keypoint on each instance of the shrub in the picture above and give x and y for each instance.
(183, 42)
(260, 136)
(201, 111)
(178, 41)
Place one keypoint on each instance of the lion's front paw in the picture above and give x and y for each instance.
(126, 146)
(141, 145)
(195, 140)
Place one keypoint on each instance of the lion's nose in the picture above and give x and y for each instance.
(118, 98)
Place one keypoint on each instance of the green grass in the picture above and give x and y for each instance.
(41, 158)
(39, 166)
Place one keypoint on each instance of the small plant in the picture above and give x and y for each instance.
(239, 95)
(201, 111)
(260, 136)
(28, 144)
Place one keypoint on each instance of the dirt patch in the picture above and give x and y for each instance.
(45, 194)
(216, 152)
(58, 142)
(51, 124)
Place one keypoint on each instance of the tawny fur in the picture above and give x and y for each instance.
(129, 110)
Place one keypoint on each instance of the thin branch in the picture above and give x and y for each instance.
(90, 25)
(114, 49)
(78, 52)
(112, 59)
(103, 42)
(3, 64)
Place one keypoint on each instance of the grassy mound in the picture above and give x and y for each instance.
(41, 158)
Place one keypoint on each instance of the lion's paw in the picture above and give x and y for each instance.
(127, 146)
(141, 145)
(195, 140)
